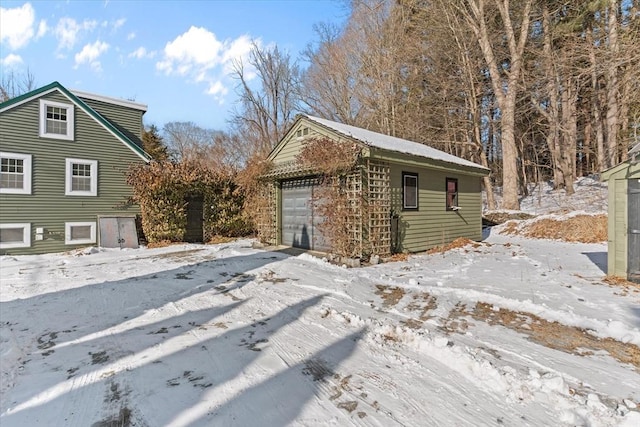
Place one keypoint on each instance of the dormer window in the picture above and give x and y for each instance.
(56, 120)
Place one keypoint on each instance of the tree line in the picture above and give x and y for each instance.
(534, 90)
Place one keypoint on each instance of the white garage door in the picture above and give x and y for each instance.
(299, 220)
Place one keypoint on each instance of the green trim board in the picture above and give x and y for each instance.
(55, 86)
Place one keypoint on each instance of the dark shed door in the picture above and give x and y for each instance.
(634, 230)
(299, 219)
(194, 232)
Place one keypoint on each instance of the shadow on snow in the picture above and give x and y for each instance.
(89, 372)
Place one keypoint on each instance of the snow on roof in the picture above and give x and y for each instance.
(635, 149)
(392, 143)
(110, 100)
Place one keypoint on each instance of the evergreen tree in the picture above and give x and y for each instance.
(153, 144)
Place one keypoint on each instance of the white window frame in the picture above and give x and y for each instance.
(43, 120)
(67, 233)
(26, 236)
(27, 172)
(68, 191)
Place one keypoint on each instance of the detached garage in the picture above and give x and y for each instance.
(394, 195)
(623, 254)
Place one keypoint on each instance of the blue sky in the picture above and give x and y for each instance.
(174, 56)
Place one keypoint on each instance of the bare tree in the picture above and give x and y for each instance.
(505, 75)
(473, 111)
(329, 84)
(14, 84)
(266, 108)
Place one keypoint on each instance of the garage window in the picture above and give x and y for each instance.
(452, 194)
(409, 191)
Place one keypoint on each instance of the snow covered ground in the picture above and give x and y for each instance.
(506, 332)
(590, 195)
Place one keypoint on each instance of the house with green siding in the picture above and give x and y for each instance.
(416, 197)
(623, 252)
(63, 159)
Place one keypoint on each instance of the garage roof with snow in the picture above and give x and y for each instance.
(391, 143)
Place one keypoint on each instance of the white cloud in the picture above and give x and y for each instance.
(11, 60)
(131, 36)
(42, 28)
(119, 23)
(68, 29)
(217, 89)
(90, 54)
(239, 49)
(197, 48)
(199, 56)
(141, 53)
(16, 25)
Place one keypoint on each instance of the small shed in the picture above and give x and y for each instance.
(623, 180)
(401, 196)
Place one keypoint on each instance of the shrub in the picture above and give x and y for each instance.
(161, 189)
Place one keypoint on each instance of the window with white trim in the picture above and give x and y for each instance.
(76, 233)
(56, 120)
(81, 177)
(409, 191)
(15, 173)
(15, 235)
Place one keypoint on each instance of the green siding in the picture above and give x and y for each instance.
(289, 148)
(420, 162)
(126, 119)
(617, 228)
(432, 225)
(47, 206)
(618, 222)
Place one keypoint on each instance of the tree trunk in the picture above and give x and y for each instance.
(612, 86)
(569, 135)
(505, 90)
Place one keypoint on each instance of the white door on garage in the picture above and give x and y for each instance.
(299, 218)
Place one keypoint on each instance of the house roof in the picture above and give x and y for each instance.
(628, 165)
(110, 100)
(55, 86)
(391, 143)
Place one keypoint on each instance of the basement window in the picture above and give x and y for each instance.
(15, 236)
(79, 233)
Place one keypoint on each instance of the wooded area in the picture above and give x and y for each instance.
(532, 89)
